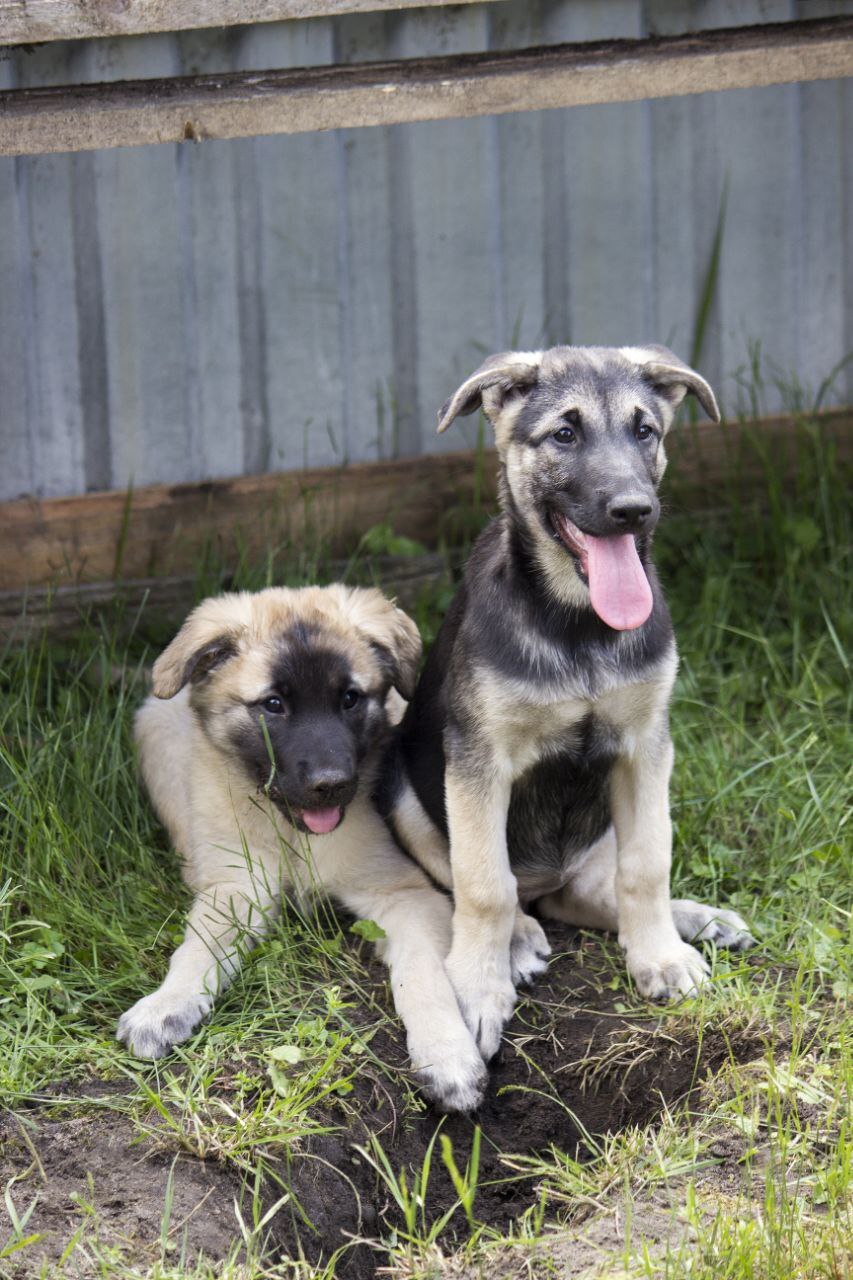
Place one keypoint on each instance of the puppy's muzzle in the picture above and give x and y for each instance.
(632, 512)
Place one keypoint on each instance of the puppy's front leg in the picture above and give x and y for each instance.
(375, 880)
(416, 920)
(662, 966)
(485, 895)
(224, 922)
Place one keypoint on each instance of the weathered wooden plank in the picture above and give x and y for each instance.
(673, 163)
(208, 339)
(52, 360)
(446, 167)
(46, 278)
(368, 284)
(172, 530)
(31, 21)
(133, 113)
(758, 263)
(298, 233)
(759, 259)
(823, 270)
(519, 164)
(62, 610)
(605, 148)
(139, 310)
(17, 324)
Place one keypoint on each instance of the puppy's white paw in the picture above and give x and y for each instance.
(156, 1023)
(698, 922)
(529, 950)
(486, 999)
(669, 973)
(451, 1072)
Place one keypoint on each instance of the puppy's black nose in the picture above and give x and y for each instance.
(629, 512)
(329, 786)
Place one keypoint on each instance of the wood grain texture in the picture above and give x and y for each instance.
(156, 357)
(31, 21)
(166, 600)
(172, 530)
(299, 100)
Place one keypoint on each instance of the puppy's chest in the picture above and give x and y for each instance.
(529, 723)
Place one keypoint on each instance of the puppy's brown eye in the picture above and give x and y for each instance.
(273, 705)
(567, 434)
(350, 698)
(643, 431)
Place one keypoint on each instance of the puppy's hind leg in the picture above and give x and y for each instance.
(224, 922)
(588, 901)
(529, 949)
(700, 922)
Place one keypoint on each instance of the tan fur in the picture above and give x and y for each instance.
(240, 854)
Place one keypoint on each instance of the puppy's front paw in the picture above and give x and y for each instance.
(486, 1000)
(451, 1073)
(529, 949)
(698, 922)
(669, 973)
(156, 1023)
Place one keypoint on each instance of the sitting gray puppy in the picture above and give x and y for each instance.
(534, 759)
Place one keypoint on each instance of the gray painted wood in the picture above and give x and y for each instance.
(519, 206)
(142, 112)
(365, 256)
(447, 222)
(299, 223)
(35, 20)
(181, 313)
(210, 252)
(18, 417)
(820, 313)
(606, 272)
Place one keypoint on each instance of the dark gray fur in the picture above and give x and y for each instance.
(561, 805)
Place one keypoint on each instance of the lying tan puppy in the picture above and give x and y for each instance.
(260, 747)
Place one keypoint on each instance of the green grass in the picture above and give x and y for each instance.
(91, 907)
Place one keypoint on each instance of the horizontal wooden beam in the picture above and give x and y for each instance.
(174, 531)
(299, 100)
(166, 600)
(33, 21)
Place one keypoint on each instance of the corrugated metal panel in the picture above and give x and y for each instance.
(181, 313)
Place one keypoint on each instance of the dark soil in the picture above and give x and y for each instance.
(93, 1170)
(572, 1064)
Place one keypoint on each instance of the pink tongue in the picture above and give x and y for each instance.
(618, 587)
(321, 821)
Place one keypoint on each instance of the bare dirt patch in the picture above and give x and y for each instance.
(91, 1173)
(573, 1064)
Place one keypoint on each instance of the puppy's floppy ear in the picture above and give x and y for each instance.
(506, 372)
(672, 378)
(206, 640)
(392, 633)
